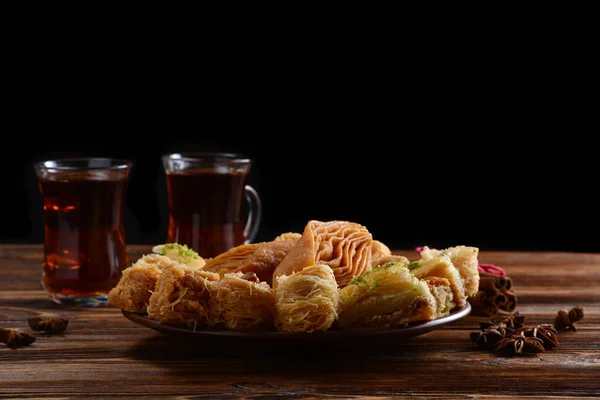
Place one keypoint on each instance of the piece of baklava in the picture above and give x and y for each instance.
(442, 292)
(180, 253)
(307, 301)
(181, 296)
(386, 296)
(381, 254)
(258, 258)
(442, 267)
(465, 259)
(240, 302)
(289, 236)
(342, 245)
(132, 292)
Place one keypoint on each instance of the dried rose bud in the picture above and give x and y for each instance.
(490, 269)
(15, 338)
(48, 325)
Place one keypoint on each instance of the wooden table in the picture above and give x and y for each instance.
(104, 355)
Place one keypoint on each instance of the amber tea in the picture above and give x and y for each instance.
(84, 237)
(206, 202)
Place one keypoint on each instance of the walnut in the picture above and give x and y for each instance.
(15, 338)
(48, 325)
(565, 320)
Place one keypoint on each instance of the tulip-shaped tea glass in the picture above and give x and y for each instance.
(84, 236)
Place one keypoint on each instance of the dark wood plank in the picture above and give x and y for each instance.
(104, 355)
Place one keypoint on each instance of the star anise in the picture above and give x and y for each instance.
(514, 321)
(15, 338)
(48, 325)
(517, 345)
(498, 326)
(565, 320)
(487, 338)
(546, 333)
(496, 329)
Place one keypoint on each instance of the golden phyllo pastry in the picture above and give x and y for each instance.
(388, 259)
(259, 258)
(240, 302)
(381, 254)
(132, 292)
(289, 236)
(229, 260)
(444, 268)
(181, 296)
(307, 301)
(384, 297)
(465, 259)
(379, 249)
(342, 245)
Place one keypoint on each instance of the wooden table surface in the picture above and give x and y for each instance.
(104, 355)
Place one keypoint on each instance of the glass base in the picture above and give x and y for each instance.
(92, 301)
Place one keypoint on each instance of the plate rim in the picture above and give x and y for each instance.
(411, 330)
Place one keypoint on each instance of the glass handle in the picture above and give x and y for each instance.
(254, 214)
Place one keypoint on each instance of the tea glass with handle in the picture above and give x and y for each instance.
(206, 194)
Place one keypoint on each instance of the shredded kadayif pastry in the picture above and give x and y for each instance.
(307, 301)
(132, 292)
(259, 258)
(465, 259)
(181, 296)
(239, 302)
(384, 297)
(342, 245)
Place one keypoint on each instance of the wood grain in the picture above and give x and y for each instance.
(102, 355)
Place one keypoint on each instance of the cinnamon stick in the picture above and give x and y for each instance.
(500, 300)
(511, 303)
(490, 300)
(483, 305)
(488, 284)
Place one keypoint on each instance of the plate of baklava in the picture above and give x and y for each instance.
(331, 281)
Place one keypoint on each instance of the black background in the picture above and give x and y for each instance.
(489, 146)
(491, 191)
